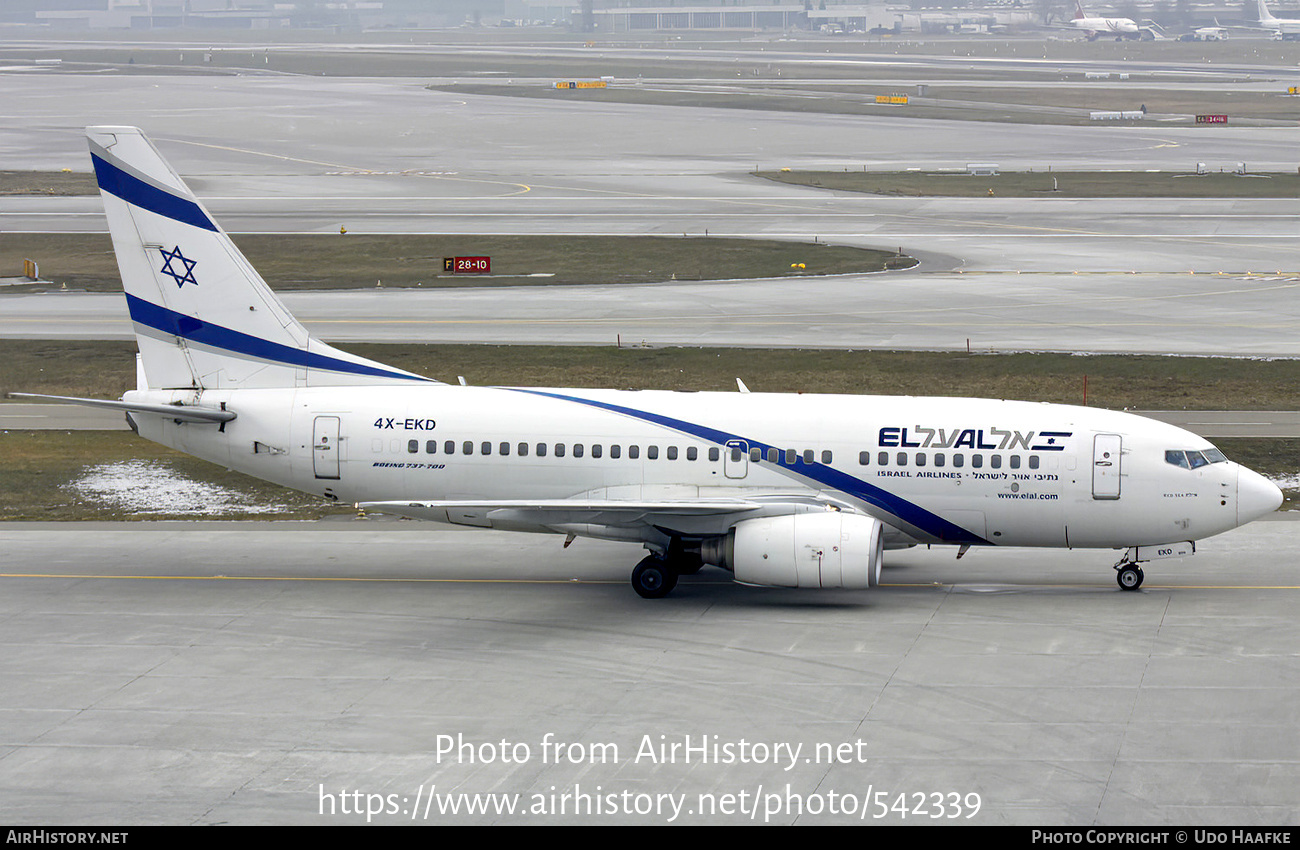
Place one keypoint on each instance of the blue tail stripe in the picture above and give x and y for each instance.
(915, 515)
(135, 191)
(217, 336)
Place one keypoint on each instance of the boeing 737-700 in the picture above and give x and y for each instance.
(780, 490)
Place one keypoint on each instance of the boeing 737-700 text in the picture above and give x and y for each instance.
(780, 490)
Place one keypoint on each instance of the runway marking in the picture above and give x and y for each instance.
(727, 583)
(522, 187)
(316, 578)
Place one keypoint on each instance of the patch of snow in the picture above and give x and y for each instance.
(1286, 482)
(144, 487)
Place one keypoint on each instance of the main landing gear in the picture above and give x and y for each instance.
(656, 575)
(653, 578)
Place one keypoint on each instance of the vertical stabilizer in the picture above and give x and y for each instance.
(203, 316)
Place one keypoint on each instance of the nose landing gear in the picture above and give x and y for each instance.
(1129, 576)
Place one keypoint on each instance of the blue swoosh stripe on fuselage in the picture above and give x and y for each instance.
(138, 193)
(217, 336)
(914, 515)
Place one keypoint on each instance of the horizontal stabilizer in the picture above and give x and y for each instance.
(185, 413)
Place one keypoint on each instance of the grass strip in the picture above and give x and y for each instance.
(352, 261)
(1048, 184)
(106, 369)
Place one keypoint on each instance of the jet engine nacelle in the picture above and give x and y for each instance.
(832, 549)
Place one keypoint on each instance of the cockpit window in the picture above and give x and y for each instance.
(1194, 460)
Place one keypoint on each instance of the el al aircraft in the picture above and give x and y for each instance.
(802, 491)
(1121, 28)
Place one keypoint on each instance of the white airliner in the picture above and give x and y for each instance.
(1214, 33)
(1096, 27)
(780, 490)
(1286, 29)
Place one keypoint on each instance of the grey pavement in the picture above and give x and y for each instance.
(248, 673)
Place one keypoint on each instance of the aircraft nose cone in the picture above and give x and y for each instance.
(1256, 496)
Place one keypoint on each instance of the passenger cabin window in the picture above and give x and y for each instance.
(651, 452)
(672, 453)
(413, 446)
(714, 454)
(692, 453)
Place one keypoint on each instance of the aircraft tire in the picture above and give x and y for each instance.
(1129, 578)
(652, 578)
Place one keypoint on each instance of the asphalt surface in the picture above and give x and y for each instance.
(1178, 276)
(205, 673)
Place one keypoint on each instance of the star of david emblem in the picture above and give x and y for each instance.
(181, 277)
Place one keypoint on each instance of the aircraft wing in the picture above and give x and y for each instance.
(692, 517)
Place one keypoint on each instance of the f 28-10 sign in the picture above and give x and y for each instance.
(467, 265)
